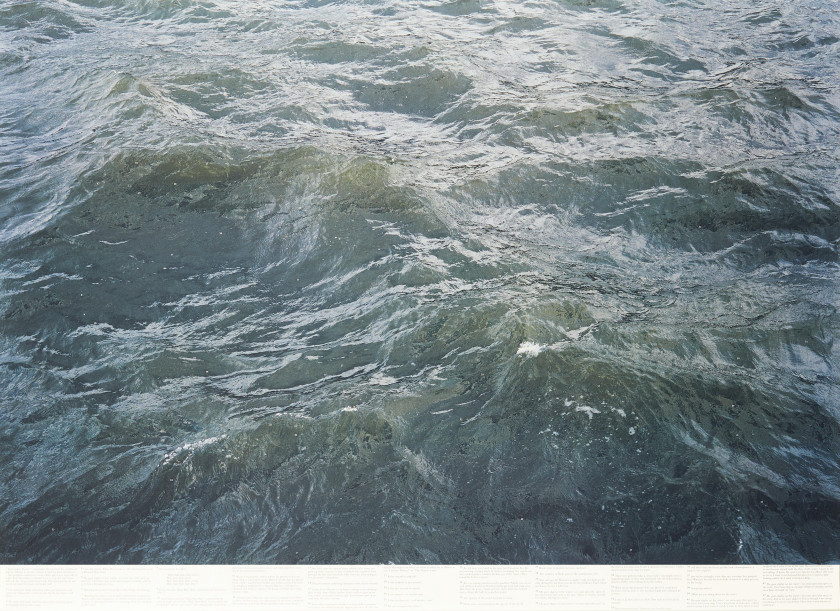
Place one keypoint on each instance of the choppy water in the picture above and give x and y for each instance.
(407, 281)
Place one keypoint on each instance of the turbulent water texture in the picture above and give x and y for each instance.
(415, 281)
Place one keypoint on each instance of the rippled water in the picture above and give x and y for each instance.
(406, 281)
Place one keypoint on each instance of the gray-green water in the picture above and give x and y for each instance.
(406, 281)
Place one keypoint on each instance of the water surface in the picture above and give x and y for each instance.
(419, 282)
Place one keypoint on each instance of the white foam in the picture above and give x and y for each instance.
(576, 334)
(529, 349)
(589, 411)
(382, 380)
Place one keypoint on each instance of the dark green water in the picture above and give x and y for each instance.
(405, 281)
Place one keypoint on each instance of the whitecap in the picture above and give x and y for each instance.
(529, 349)
(382, 380)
